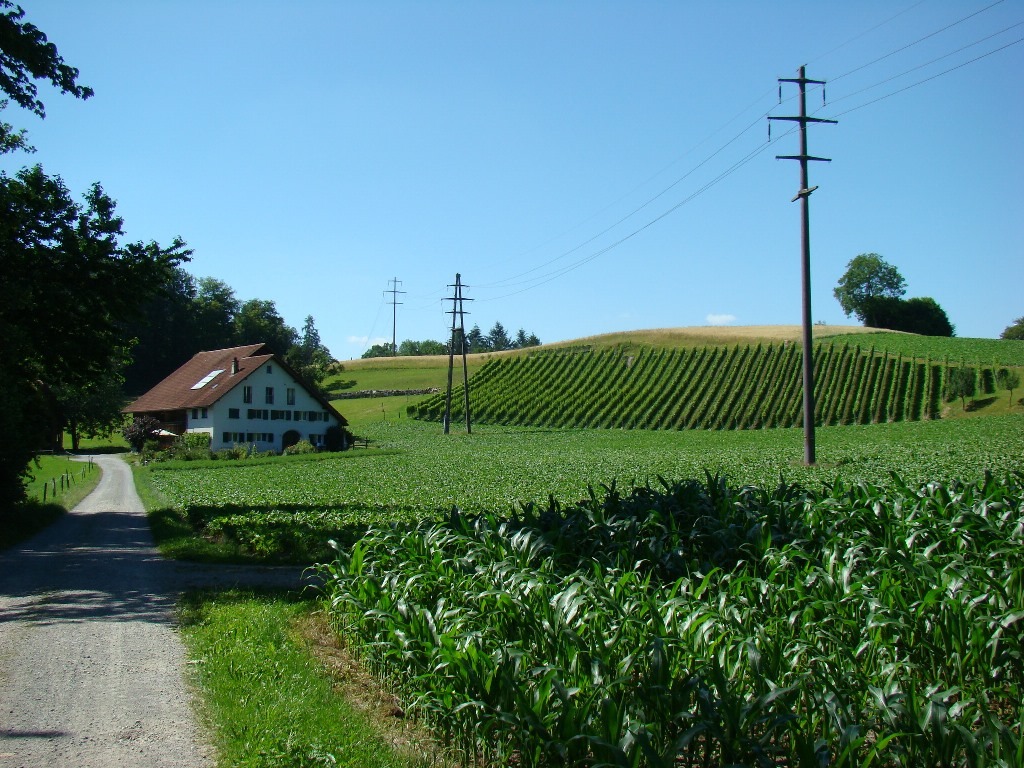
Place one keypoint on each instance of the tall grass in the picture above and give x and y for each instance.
(699, 624)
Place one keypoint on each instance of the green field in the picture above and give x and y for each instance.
(705, 624)
(839, 617)
(611, 597)
(270, 508)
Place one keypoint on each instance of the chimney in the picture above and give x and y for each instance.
(234, 366)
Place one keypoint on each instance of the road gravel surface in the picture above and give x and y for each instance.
(91, 665)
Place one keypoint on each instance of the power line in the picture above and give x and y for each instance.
(577, 264)
(929, 63)
(373, 327)
(919, 40)
(546, 277)
(865, 32)
(933, 77)
(636, 210)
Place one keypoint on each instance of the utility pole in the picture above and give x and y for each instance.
(804, 195)
(458, 337)
(395, 282)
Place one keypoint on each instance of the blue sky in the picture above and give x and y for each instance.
(556, 154)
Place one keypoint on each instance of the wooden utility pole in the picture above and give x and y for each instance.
(458, 338)
(395, 282)
(804, 195)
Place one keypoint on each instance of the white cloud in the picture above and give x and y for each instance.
(714, 319)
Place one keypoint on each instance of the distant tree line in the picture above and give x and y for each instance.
(496, 340)
(189, 315)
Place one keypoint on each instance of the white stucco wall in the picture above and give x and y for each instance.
(254, 429)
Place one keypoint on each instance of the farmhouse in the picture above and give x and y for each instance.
(241, 395)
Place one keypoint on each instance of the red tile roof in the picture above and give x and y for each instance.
(179, 390)
(176, 391)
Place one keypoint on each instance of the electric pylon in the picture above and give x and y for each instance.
(458, 340)
(805, 270)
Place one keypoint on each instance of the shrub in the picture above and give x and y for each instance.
(337, 439)
(139, 431)
(303, 446)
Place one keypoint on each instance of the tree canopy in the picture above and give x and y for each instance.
(921, 315)
(868, 277)
(310, 357)
(68, 285)
(26, 56)
(1014, 330)
(872, 289)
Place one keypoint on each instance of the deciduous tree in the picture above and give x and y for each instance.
(918, 315)
(961, 384)
(258, 321)
(26, 56)
(67, 288)
(1008, 379)
(1014, 331)
(868, 277)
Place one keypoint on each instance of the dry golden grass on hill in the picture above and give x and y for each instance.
(658, 337)
(716, 334)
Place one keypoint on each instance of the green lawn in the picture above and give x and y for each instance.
(56, 484)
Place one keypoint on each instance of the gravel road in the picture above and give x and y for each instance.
(91, 667)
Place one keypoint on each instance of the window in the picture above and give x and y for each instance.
(325, 416)
(270, 369)
(290, 396)
(205, 413)
(315, 439)
(270, 396)
(227, 437)
(195, 413)
(207, 379)
(233, 413)
(298, 415)
(246, 394)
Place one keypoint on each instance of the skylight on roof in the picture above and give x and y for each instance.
(207, 379)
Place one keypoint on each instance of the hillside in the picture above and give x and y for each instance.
(897, 351)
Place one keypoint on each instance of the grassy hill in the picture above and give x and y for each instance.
(900, 357)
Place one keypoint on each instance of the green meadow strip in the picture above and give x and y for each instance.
(269, 702)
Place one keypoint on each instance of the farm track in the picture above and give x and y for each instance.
(91, 667)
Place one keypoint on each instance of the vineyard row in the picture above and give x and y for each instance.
(738, 387)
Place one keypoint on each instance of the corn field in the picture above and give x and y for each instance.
(697, 623)
(737, 387)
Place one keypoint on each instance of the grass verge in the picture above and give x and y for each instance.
(28, 518)
(270, 700)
